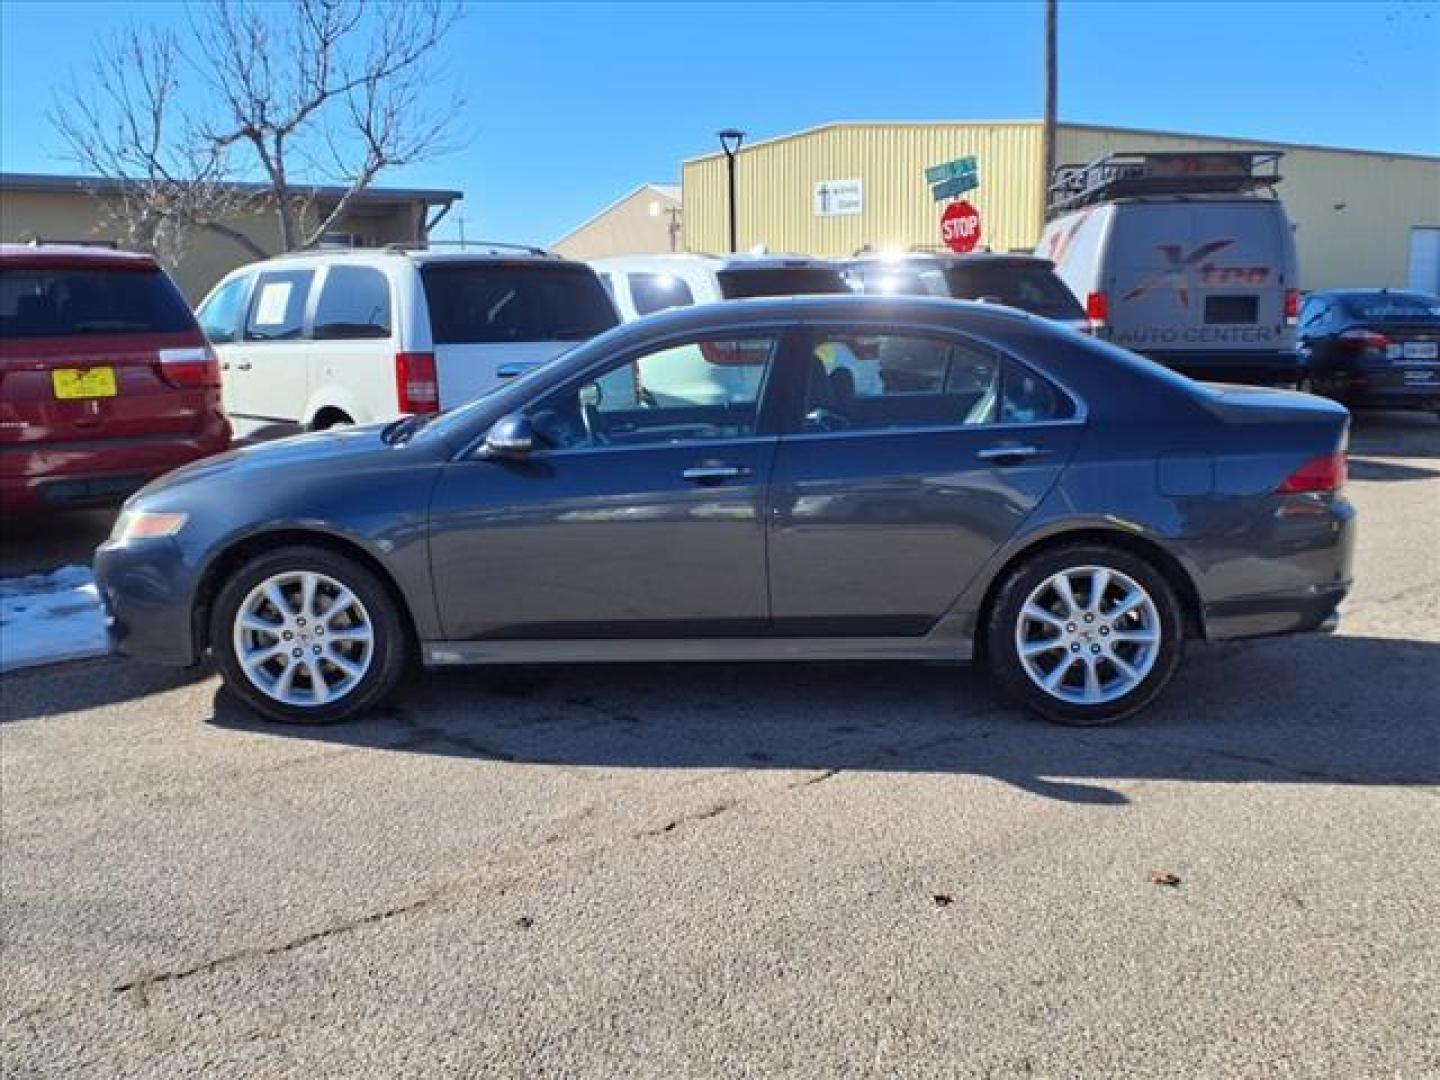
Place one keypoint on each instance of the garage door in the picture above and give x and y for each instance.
(1425, 260)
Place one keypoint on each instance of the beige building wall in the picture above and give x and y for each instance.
(1364, 242)
(59, 216)
(775, 187)
(629, 227)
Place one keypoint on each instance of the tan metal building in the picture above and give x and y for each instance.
(1361, 218)
(69, 208)
(645, 222)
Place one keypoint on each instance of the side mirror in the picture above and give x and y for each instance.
(511, 438)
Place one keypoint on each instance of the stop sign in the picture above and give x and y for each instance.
(960, 226)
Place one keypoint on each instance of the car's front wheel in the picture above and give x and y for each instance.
(1085, 634)
(306, 635)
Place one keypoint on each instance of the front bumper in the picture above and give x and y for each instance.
(148, 591)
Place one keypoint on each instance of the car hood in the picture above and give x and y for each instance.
(334, 449)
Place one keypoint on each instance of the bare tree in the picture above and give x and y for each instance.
(290, 96)
(122, 124)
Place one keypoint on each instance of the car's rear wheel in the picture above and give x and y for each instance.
(306, 635)
(1085, 634)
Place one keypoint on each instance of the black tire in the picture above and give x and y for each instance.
(1002, 648)
(391, 644)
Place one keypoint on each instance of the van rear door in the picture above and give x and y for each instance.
(490, 317)
(1201, 285)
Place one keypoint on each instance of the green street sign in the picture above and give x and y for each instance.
(965, 166)
(955, 186)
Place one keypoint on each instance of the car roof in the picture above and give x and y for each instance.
(497, 254)
(1411, 294)
(74, 255)
(949, 258)
(736, 261)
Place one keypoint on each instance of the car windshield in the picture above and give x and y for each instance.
(746, 282)
(1030, 287)
(495, 303)
(37, 302)
(1393, 307)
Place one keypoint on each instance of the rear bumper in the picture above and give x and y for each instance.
(1308, 611)
(45, 477)
(148, 591)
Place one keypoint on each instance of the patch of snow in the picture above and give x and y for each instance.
(46, 618)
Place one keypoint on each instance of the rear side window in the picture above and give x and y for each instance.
(494, 303)
(743, 282)
(1031, 287)
(656, 292)
(277, 309)
(222, 311)
(56, 302)
(878, 381)
(354, 303)
(1393, 308)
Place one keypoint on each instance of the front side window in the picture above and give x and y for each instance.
(354, 303)
(697, 390)
(277, 308)
(221, 313)
(869, 382)
(656, 292)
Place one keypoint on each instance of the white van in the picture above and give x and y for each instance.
(645, 284)
(314, 339)
(1181, 257)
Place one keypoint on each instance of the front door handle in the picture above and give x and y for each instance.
(1009, 453)
(243, 365)
(715, 474)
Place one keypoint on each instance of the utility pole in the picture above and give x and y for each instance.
(1051, 95)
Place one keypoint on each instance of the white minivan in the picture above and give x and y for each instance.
(314, 339)
(1187, 258)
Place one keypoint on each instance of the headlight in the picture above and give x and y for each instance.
(143, 525)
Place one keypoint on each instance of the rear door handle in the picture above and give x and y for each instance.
(1009, 453)
(715, 474)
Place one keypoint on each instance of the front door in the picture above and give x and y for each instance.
(641, 516)
(919, 456)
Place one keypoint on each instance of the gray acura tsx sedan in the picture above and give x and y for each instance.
(828, 478)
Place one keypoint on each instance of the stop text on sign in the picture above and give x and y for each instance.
(960, 226)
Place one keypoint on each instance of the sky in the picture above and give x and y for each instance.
(570, 106)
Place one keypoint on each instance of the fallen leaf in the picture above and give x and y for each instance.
(1164, 877)
(525, 922)
(943, 899)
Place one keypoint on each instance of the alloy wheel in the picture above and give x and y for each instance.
(303, 639)
(1088, 635)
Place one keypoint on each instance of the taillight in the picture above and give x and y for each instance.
(1292, 306)
(1097, 309)
(1322, 474)
(415, 382)
(190, 368)
(1366, 339)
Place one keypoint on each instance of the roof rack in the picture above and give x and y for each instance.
(36, 241)
(1157, 172)
(496, 247)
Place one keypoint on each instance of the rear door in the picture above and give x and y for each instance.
(885, 503)
(490, 319)
(91, 350)
(267, 384)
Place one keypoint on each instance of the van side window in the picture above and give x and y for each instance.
(220, 315)
(277, 309)
(354, 303)
(656, 292)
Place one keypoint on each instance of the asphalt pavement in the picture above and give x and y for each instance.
(774, 870)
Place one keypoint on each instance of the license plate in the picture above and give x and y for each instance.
(1422, 350)
(72, 383)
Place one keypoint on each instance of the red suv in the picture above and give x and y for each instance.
(105, 378)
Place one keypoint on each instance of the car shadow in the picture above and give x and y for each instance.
(1328, 710)
(35, 693)
(1364, 468)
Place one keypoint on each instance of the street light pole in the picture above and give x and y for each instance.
(730, 140)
